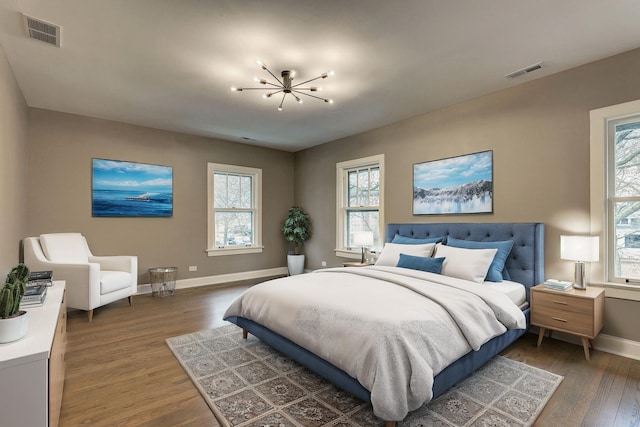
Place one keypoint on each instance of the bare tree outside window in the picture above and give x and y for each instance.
(363, 195)
(233, 209)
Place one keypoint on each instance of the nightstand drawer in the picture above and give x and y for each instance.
(567, 321)
(557, 301)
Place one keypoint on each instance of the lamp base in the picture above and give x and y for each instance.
(579, 279)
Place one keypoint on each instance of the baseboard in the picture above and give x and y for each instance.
(603, 342)
(617, 345)
(220, 278)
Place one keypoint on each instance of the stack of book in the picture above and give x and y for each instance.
(34, 296)
(40, 278)
(557, 285)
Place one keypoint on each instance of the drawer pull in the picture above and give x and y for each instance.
(560, 302)
(559, 319)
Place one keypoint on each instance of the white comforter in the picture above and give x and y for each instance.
(392, 329)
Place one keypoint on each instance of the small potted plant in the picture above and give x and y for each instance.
(296, 230)
(13, 321)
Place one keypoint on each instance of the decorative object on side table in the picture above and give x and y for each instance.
(37, 278)
(365, 240)
(296, 230)
(580, 249)
(575, 311)
(13, 321)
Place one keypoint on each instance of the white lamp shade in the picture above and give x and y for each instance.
(579, 248)
(363, 238)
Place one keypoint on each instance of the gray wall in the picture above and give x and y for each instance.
(61, 147)
(539, 134)
(13, 167)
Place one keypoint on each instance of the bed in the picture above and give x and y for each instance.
(524, 265)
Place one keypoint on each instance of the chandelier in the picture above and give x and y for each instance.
(286, 86)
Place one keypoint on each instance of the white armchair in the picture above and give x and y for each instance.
(92, 281)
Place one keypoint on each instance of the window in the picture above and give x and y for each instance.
(234, 208)
(360, 202)
(623, 199)
(611, 268)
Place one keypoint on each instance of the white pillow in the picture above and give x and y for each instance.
(391, 252)
(468, 264)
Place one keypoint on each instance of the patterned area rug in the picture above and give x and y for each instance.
(247, 383)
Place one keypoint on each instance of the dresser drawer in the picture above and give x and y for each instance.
(557, 301)
(567, 321)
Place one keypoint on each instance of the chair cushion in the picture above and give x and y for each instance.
(64, 247)
(111, 281)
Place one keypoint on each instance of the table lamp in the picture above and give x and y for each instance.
(364, 239)
(580, 249)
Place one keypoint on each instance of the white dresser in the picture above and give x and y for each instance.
(32, 368)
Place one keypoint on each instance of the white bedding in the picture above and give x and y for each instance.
(392, 329)
(514, 290)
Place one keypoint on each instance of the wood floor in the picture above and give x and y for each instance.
(120, 372)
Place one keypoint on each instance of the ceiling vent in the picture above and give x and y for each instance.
(42, 30)
(525, 70)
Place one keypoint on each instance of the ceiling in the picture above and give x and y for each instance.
(169, 64)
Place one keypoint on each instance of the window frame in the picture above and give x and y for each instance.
(611, 199)
(256, 191)
(342, 206)
(600, 120)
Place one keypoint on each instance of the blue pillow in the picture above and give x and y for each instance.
(495, 270)
(411, 241)
(430, 265)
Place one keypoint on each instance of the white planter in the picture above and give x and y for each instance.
(14, 328)
(295, 263)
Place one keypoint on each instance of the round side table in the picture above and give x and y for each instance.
(163, 280)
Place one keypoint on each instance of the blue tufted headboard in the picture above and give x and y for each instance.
(526, 260)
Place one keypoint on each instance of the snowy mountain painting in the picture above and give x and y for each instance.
(457, 185)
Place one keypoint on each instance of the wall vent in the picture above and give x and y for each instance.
(525, 70)
(41, 30)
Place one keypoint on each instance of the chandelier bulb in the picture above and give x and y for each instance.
(279, 108)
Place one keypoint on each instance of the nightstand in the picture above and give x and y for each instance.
(576, 311)
(355, 264)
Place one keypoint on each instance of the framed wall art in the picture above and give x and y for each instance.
(456, 185)
(129, 189)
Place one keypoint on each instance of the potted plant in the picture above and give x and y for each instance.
(296, 230)
(13, 321)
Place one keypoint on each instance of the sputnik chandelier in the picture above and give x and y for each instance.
(286, 86)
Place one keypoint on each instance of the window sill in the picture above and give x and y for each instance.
(619, 290)
(346, 253)
(234, 251)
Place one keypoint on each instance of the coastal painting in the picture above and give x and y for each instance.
(129, 189)
(456, 185)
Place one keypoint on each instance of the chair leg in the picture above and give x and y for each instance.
(131, 300)
(90, 313)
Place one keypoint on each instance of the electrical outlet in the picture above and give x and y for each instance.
(324, 263)
(193, 268)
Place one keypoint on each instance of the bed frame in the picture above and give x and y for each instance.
(525, 265)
